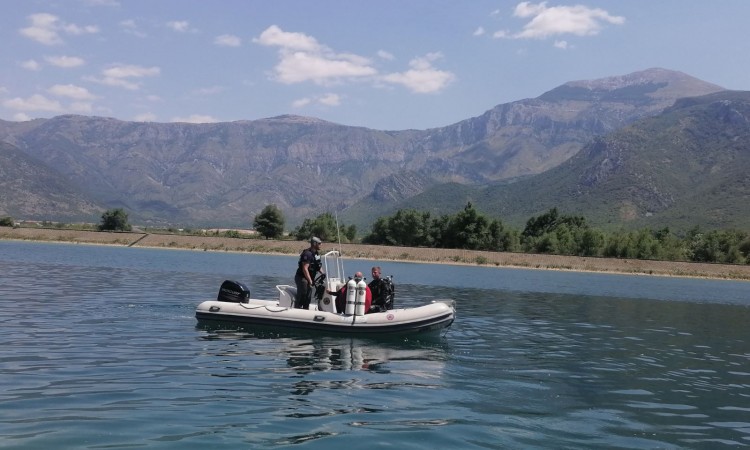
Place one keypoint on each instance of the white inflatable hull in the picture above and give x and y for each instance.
(270, 313)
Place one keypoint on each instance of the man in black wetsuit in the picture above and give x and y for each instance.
(382, 292)
(308, 266)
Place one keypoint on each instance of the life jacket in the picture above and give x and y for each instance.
(315, 265)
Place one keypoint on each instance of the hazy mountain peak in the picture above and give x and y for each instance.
(291, 118)
(648, 76)
(660, 86)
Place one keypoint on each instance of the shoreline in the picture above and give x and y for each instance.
(385, 253)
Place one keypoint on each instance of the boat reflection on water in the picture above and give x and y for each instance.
(308, 353)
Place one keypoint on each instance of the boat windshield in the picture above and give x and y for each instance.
(333, 265)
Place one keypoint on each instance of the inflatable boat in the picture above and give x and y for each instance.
(234, 305)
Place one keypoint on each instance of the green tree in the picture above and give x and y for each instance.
(503, 239)
(468, 229)
(270, 222)
(591, 243)
(407, 227)
(559, 234)
(379, 233)
(724, 246)
(410, 228)
(324, 226)
(744, 249)
(350, 232)
(6, 221)
(115, 220)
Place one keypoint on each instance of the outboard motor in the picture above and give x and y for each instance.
(233, 292)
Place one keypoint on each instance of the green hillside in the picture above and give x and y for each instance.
(688, 166)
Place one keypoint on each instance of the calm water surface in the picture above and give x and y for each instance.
(100, 349)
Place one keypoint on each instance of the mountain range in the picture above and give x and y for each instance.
(623, 150)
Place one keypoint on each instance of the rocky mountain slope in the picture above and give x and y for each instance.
(225, 173)
(688, 166)
(31, 189)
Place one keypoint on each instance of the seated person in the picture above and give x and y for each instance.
(382, 292)
(341, 296)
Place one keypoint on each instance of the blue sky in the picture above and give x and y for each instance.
(389, 65)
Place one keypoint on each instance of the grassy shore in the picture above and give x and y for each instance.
(383, 253)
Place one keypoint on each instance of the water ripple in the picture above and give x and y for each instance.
(101, 350)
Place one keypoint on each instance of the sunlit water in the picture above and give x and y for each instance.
(100, 349)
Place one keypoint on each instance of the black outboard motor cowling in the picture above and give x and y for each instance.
(233, 292)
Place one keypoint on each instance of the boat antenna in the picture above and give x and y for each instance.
(338, 236)
(338, 232)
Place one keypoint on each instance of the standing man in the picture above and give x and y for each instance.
(308, 265)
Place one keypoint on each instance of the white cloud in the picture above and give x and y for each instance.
(227, 40)
(561, 45)
(211, 90)
(120, 75)
(72, 91)
(43, 29)
(422, 78)
(297, 67)
(46, 28)
(302, 58)
(36, 102)
(301, 103)
(577, 20)
(81, 107)
(274, 36)
(131, 71)
(145, 117)
(329, 99)
(76, 30)
(103, 2)
(64, 61)
(195, 118)
(479, 31)
(129, 26)
(117, 82)
(180, 26)
(500, 34)
(31, 65)
(386, 55)
(21, 117)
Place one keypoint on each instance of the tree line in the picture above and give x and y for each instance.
(558, 234)
(550, 233)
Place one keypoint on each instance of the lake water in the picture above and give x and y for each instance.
(101, 350)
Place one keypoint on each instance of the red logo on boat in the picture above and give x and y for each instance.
(389, 317)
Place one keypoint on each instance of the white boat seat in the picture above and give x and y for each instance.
(287, 294)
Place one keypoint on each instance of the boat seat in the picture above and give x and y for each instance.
(287, 294)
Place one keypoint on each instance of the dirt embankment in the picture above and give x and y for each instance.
(383, 253)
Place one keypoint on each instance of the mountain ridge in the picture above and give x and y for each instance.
(685, 167)
(225, 173)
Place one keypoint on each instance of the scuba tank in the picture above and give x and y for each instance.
(359, 309)
(351, 292)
